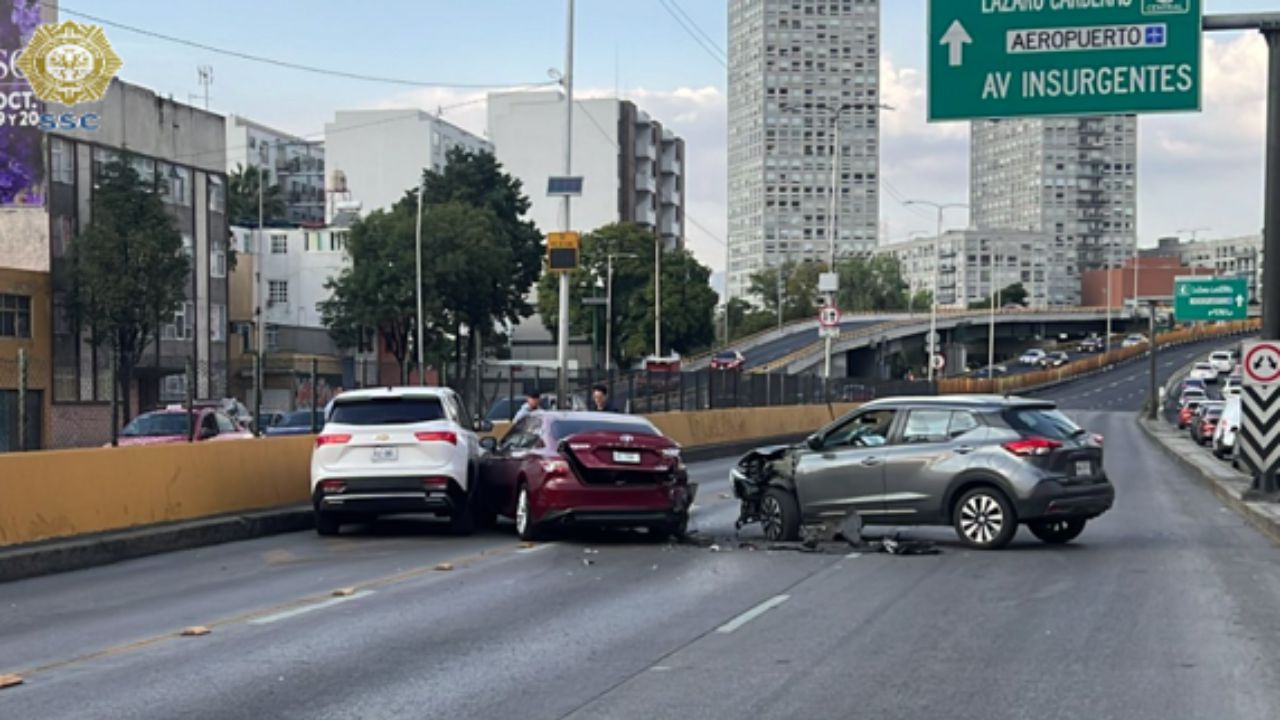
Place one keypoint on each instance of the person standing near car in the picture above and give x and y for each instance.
(600, 400)
(531, 404)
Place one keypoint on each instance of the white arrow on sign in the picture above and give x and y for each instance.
(1239, 301)
(956, 38)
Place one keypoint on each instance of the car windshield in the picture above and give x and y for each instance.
(726, 356)
(387, 411)
(1203, 366)
(156, 425)
(299, 418)
(1042, 422)
(561, 429)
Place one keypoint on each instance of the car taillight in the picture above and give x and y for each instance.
(1097, 439)
(437, 436)
(555, 467)
(332, 440)
(333, 486)
(435, 483)
(1032, 447)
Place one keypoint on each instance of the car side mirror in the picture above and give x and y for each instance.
(488, 444)
(482, 426)
(813, 442)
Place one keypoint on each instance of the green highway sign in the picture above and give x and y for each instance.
(1210, 298)
(1019, 58)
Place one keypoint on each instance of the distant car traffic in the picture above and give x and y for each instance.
(1203, 423)
(989, 372)
(1203, 371)
(1055, 360)
(1224, 435)
(1092, 344)
(728, 360)
(981, 464)
(298, 422)
(585, 469)
(1190, 404)
(1231, 387)
(1032, 357)
(1134, 341)
(173, 425)
(1221, 361)
(396, 450)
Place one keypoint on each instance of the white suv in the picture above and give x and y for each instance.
(1032, 357)
(1221, 361)
(395, 450)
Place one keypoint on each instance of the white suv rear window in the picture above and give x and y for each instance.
(387, 411)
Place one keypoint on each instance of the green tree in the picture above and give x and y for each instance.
(688, 302)
(871, 284)
(800, 297)
(127, 269)
(745, 319)
(242, 196)
(1014, 294)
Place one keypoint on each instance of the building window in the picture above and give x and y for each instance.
(181, 327)
(218, 263)
(338, 240)
(273, 338)
(63, 161)
(217, 323)
(188, 245)
(217, 195)
(279, 244)
(277, 292)
(15, 316)
(173, 388)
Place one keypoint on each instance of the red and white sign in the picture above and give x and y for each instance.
(939, 362)
(829, 316)
(1261, 363)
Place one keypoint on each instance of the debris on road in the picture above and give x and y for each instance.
(590, 551)
(527, 545)
(10, 681)
(344, 592)
(726, 496)
(588, 562)
(896, 545)
(444, 567)
(195, 631)
(747, 546)
(714, 548)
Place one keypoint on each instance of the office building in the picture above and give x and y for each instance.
(293, 163)
(1232, 256)
(381, 154)
(632, 166)
(1071, 178)
(793, 64)
(973, 264)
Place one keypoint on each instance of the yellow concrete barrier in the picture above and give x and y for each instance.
(62, 493)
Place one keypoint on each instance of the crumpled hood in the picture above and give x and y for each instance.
(767, 452)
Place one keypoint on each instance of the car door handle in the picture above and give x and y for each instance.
(964, 450)
(871, 461)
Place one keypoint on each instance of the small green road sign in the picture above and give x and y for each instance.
(1210, 298)
(1020, 58)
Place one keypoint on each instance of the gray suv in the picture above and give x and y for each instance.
(980, 463)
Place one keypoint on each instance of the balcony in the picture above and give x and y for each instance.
(671, 165)
(645, 147)
(645, 182)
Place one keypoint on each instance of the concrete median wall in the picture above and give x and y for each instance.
(66, 493)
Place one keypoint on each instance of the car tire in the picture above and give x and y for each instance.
(525, 527)
(677, 529)
(328, 524)
(1057, 532)
(780, 515)
(985, 519)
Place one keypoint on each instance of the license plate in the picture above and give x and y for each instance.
(1084, 468)
(385, 454)
(629, 458)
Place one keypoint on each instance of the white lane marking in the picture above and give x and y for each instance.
(285, 615)
(534, 549)
(853, 555)
(752, 614)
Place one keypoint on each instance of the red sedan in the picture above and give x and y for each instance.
(728, 360)
(591, 469)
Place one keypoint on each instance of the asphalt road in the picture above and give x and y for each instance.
(1165, 608)
(768, 352)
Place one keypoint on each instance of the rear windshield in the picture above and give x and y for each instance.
(1221, 356)
(1203, 366)
(1041, 422)
(157, 424)
(561, 429)
(387, 411)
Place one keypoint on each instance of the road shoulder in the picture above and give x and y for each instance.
(1229, 485)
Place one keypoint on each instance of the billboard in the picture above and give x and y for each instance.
(22, 169)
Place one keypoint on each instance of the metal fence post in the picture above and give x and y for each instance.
(666, 393)
(257, 390)
(115, 401)
(191, 401)
(681, 392)
(711, 390)
(315, 393)
(22, 399)
(511, 391)
(631, 392)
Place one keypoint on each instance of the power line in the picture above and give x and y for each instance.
(675, 4)
(272, 61)
(715, 53)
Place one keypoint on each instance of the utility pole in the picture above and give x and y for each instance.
(562, 326)
(422, 368)
(930, 348)
(991, 329)
(1107, 271)
(657, 295)
(259, 377)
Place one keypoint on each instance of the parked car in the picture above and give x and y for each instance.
(1190, 404)
(173, 425)
(396, 450)
(1231, 387)
(588, 469)
(1203, 371)
(1221, 361)
(1092, 344)
(1032, 357)
(728, 360)
(298, 422)
(271, 417)
(994, 371)
(1224, 435)
(1134, 341)
(1055, 360)
(1204, 422)
(982, 464)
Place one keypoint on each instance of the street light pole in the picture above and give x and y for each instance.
(1107, 270)
(562, 327)
(991, 329)
(422, 374)
(657, 295)
(937, 270)
(260, 377)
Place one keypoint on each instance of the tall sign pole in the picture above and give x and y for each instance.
(562, 326)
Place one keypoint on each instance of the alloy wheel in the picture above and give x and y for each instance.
(981, 519)
(771, 517)
(522, 511)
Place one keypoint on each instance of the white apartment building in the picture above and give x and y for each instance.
(293, 163)
(382, 153)
(1074, 179)
(975, 263)
(632, 167)
(793, 64)
(296, 265)
(1236, 256)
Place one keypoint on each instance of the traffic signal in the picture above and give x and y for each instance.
(562, 251)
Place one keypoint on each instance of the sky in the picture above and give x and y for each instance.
(1196, 171)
